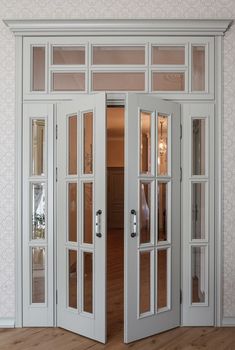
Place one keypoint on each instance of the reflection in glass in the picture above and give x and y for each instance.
(168, 81)
(88, 282)
(118, 55)
(198, 210)
(198, 146)
(38, 146)
(198, 270)
(72, 278)
(38, 69)
(145, 282)
(162, 145)
(88, 143)
(145, 212)
(72, 156)
(88, 212)
(38, 275)
(198, 68)
(168, 55)
(118, 81)
(72, 81)
(145, 142)
(72, 208)
(69, 55)
(38, 210)
(162, 211)
(162, 287)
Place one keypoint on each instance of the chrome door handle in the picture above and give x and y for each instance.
(134, 223)
(97, 223)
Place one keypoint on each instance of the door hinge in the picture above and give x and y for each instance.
(56, 296)
(56, 132)
(56, 174)
(181, 133)
(181, 174)
(181, 298)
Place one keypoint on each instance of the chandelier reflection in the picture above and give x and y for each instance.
(162, 146)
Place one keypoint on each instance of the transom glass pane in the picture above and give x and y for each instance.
(72, 214)
(145, 142)
(88, 212)
(162, 211)
(145, 212)
(68, 55)
(88, 143)
(118, 81)
(198, 274)
(72, 145)
(145, 282)
(38, 275)
(198, 210)
(38, 146)
(38, 68)
(162, 287)
(198, 146)
(168, 55)
(88, 282)
(162, 130)
(38, 210)
(72, 278)
(69, 81)
(118, 55)
(198, 68)
(168, 81)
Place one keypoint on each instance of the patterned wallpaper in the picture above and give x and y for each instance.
(107, 9)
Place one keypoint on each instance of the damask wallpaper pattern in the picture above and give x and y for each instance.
(108, 9)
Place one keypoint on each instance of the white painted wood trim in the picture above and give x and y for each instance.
(119, 26)
(7, 322)
(228, 322)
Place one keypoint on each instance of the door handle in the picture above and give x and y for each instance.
(97, 223)
(134, 223)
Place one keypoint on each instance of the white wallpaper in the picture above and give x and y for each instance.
(107, 9)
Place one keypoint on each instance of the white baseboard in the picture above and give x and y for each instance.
(228, 322)
(7, 322)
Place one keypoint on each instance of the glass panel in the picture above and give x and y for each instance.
(198, 210)
(198, 146)
(88, 282)
(198, 68)
(68, 55)
(38, 275)
(72, 208)
(122, 81)
(162, 145)
(162, 211)
(145, 282)
(145, 212)
(88, 212)
(118, 55)
(68, 81)
(168, 55)
(145, 142)
(72, 302)
(162, 287)
(72, 156)
(38, 79)
(88, 142)
(168, 81)
(38, 210)
(38, 146)
(198, 274)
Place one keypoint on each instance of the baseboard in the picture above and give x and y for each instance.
(228, 322)
(7, 322)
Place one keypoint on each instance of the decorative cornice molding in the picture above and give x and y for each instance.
(123, 27)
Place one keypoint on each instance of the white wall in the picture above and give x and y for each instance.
(108, 9)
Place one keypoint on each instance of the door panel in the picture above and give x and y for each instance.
(152, 216)
(82, 216)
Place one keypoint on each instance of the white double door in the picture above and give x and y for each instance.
(152, 216)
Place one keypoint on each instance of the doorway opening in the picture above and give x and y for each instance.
(115, 220)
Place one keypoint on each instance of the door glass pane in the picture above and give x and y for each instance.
(198, 210)
(72, 208)
(145, 212)
(122, 81)
(38, 146)
(118, 55)
(38, 78)
(198, 146)
(88, 143)
(88, 282)
(72, 156)
(198, 68)
(73, 81)
(38, 275)
(69, 55)
(162, 211)
(162, 287)
(168, 81)
(145, 142)
(145, 282)
(162, 131)
(168, 55)
(88, 212)
(198, 274)
(38, 210)
(72, 279)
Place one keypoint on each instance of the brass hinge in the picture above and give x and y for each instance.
(181, 174)
(181, 133)
(56, 132)
(181, 298)
(56, 174)
(56, 296)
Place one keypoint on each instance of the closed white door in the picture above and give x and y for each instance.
(81, 223)
(152, 216)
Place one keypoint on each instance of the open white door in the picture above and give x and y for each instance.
(152, 216)
(81, 223)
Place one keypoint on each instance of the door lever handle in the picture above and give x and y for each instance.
(134, 223)
(97, 223)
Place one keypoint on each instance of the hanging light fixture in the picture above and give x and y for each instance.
(162, 144)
